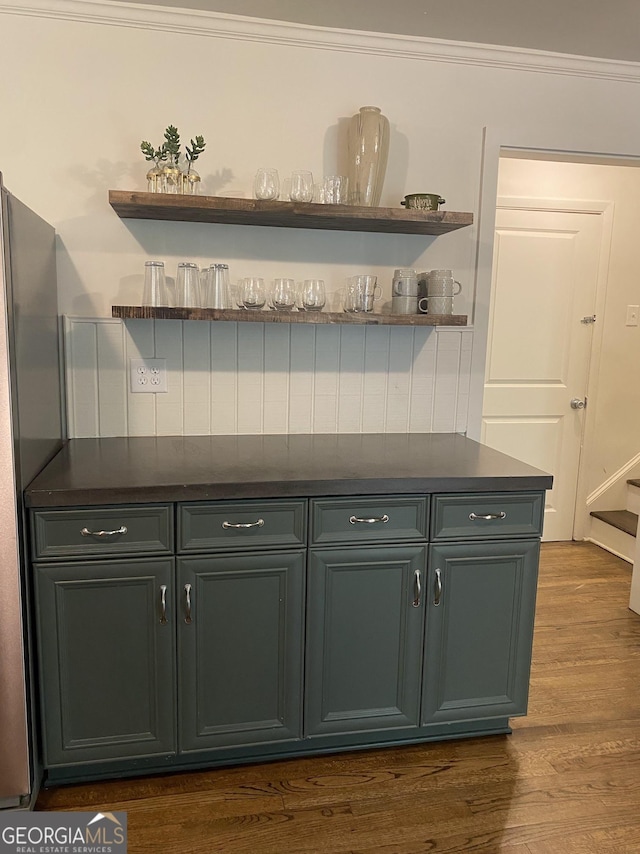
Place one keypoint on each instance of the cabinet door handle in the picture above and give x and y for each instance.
(369, 520)
(257, 524)
(417, 588)
(489, 517)
(87, 533)
(163, 604)
(438, 588)
(187, 602)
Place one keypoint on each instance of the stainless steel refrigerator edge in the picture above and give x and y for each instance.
(31, 431)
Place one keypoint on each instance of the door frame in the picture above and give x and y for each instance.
(604, 209)
(566, 144)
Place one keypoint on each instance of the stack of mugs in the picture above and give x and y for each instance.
(404, 292)
(437, 289)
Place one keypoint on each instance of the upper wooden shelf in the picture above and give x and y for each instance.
(129, 312)
(134, 205)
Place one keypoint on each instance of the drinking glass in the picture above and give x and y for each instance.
(335, 190)
(251, 293)
(312, 295)
(301, 186)
(361, 292)
(283, 294)
(188, 285)
(155, 291)
(266, 184)
(217, 287)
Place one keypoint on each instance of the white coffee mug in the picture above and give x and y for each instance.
(404, 305)
(436, 305)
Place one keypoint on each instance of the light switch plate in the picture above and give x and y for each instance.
(632, 315)
(148, 376)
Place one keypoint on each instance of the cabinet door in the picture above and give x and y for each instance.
(364, 638)
(107, 659)
(480, 601)
(240, 643)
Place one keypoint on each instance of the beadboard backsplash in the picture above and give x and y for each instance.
(227, 377)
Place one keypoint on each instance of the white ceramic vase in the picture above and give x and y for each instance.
(367, 151)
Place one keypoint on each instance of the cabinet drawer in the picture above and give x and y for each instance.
(100, 531)
(486, 516)
(241, 524)
(369, 520)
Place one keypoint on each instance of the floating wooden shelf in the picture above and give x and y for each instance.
(163, 206)
(266, 316)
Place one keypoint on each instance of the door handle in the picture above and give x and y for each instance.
(438, 588)
(576, 403)
(417, 589)
(187, 602)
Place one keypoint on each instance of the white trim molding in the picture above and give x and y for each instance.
(226, 26)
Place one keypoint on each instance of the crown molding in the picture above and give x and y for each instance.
(240, 28)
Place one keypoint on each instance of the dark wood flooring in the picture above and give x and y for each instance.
(566, 781)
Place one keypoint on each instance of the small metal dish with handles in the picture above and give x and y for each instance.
(423, 201)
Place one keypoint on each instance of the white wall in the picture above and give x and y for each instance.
(613, 437)
(267, 378)
(81, 84)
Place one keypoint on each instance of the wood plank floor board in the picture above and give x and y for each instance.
(567, 779)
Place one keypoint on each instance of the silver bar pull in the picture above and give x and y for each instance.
(87, 533)
(418, 589)
(369, 520)
(488, 517)
(257, 524)
(163, 604)
(187, 597)
(438, 588)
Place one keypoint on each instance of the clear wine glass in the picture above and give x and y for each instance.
(252, 293)
(313, 295)
(301, 186)
(266, 184)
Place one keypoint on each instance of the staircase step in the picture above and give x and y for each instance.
(624, 520)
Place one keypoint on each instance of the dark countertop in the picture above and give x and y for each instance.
(193, 468)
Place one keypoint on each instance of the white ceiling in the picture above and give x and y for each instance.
(598, 28)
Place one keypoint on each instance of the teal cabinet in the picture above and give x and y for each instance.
(364, 638)
(106, 659)
(240, 646)
(480, 600)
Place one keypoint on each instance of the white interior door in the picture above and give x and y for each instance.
(545, 273)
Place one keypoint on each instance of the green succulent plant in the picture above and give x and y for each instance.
(170, 148)
(197, 147)
(153, 155)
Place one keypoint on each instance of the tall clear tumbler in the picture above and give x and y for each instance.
(188, 285)
(217, 287)
(155, 291)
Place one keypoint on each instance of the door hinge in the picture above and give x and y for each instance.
(590, 318)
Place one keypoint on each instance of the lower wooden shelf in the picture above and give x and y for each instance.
(144, 312)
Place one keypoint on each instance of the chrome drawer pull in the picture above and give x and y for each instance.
(490, 517)
(384, 519)
(438, 591)
(418, 589)
(257, 524)
(163, 604)
(87, 533)
(187, 596)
